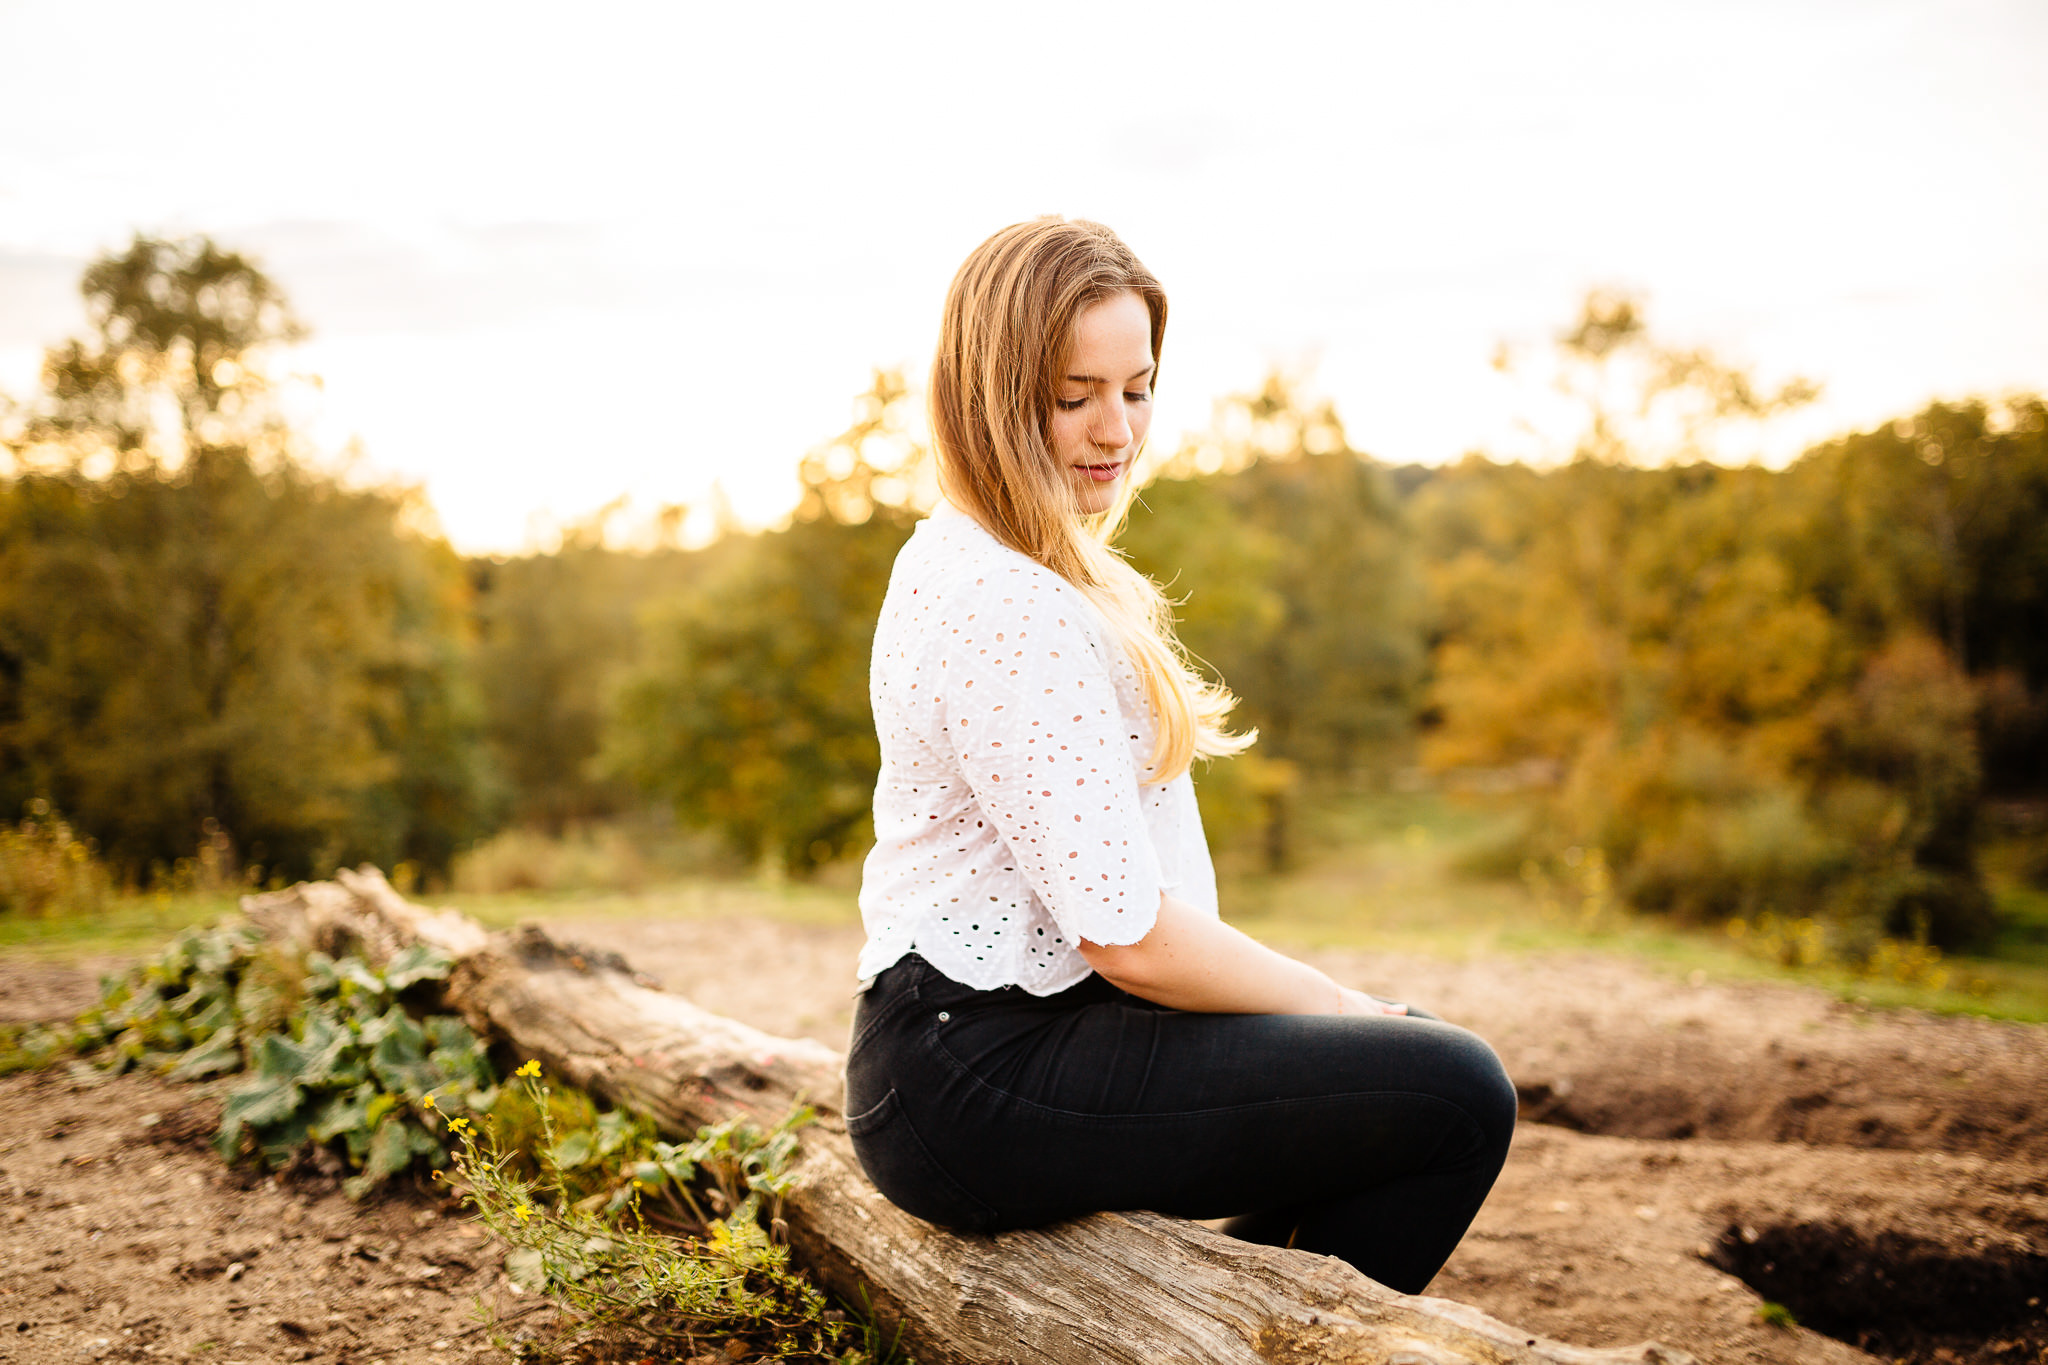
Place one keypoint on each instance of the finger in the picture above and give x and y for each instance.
(1389, 1007)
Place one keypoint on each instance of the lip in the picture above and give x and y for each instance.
(1100, 473)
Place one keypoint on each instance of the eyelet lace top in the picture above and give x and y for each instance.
(1009, 819)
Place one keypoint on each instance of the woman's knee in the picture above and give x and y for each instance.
(1481, 1087)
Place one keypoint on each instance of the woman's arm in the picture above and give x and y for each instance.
(1189, 961)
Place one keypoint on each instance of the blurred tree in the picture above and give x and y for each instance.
(1937, 524)
(556, 633)
(199, 632)
(750, 712)
(1736, 675)
(1297, 574)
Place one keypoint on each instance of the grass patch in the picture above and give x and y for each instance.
(130, 926)
(805, 903)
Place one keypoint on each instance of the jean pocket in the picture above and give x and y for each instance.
(901, 1167)
(876, 1012)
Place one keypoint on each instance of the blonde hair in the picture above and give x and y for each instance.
(1007, 336)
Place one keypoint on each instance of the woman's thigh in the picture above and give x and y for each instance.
(1037, 1110)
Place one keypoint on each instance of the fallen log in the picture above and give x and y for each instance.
(1110, 1288)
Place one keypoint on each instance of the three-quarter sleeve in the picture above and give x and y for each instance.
(1032, 714)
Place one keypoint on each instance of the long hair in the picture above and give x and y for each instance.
(1007, 337)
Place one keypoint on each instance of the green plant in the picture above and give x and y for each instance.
(334, 1054)
(601, 1256)
(1775, 1315)
(184, 1012)
(354, 1066)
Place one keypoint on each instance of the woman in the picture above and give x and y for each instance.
(1053, 1019)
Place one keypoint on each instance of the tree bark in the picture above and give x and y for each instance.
(1108, 1289)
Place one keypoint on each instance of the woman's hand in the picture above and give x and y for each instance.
(1358, 1002)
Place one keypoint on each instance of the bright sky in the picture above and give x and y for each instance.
(553, 254)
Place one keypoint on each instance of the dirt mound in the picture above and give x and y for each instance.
(1605, 1046)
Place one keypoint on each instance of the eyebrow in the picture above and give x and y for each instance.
(1091, 379)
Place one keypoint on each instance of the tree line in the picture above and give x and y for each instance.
(1750, 690)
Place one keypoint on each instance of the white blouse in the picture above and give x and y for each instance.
(1009, 819)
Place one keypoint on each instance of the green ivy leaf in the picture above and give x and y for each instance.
(398, 1058)
(278, 1141)
(348, 1112)
(220, 1053)
(615, 1128)
(391, 1151)
(574, 1150)
(420, 962)
(321, 980)
(310, 1059)
(261, 1102)
(355, 973)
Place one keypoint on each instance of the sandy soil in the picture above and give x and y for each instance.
(1685, 1147)
(124, 1238)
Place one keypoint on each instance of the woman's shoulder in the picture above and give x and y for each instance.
(960, 564)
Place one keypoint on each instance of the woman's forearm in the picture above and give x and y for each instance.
(1190, 961)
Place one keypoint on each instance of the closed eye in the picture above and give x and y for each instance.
(1072, 404)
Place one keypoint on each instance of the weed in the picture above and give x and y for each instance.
(1775, 1315)
(623, 1279)
(46, 868)
(1808, 942)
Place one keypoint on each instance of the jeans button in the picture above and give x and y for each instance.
(943, 1016)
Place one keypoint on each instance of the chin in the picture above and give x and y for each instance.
(1095, 498)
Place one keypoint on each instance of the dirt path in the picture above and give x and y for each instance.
(1887, 1175)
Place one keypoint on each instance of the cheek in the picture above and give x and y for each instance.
(1069, 433)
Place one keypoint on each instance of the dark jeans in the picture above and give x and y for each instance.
(1375, 1139)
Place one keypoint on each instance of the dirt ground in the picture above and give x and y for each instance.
(1688, 1151)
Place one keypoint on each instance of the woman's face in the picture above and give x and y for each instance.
(1102, 405)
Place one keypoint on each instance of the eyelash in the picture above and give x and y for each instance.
(1070, 404)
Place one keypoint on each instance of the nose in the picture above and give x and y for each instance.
(1112, 429)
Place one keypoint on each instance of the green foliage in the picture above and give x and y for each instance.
(353, 1066)
(196, 626)
(47, 869)
(750, 712)
(333, 1055)
(1776, 1315)
(555, 632)
(186, 1012)
(1752, 692)
(602, 1256)
(1295, 572)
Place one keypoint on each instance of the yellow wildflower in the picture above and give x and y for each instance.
(457, 1125)
(531, 1068)
(522, 1212)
